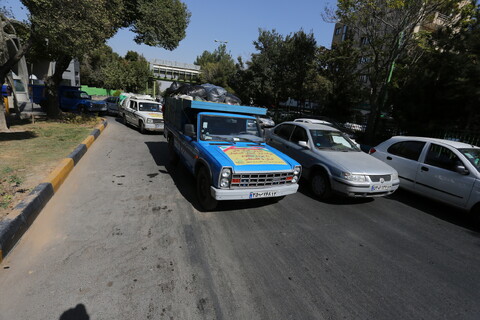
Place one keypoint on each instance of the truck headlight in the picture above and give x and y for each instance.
(225, 177)
(149, 120)
(354, 177)
(297, 170)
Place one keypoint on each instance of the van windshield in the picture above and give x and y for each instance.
(218, 128)
(143, 106)
(473, 155)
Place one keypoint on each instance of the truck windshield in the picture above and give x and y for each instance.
(143, 106)
(219, 128)
(84, 95)
(473, 155)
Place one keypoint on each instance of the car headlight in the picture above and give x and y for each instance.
(225, 177)
(149, 120)
(395, 176)
(354, 177)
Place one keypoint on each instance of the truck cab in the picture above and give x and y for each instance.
(223, 147)
(80, 101)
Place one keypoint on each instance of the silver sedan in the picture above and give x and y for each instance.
(332, 162)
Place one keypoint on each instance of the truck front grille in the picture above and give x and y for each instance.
(252, 180)
(157, 120)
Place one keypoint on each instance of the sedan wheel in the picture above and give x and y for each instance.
(320, 185)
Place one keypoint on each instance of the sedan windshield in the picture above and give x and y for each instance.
(473, 155)
(332, 140)
(232, 129)
(143, 106)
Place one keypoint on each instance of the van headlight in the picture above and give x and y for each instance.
(149, 120)
(354, 177)
(225, 177)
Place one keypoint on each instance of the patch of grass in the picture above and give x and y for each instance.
(30, 152)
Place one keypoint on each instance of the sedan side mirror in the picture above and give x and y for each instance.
(189, 130)
(303, 144)
(462, 170)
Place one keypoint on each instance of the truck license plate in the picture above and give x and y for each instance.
(158, 125)
(381, 187)
(266, 194)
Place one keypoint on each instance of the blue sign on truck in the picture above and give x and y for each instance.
(223, 147)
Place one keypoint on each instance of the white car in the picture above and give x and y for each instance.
(443, 170)
(144, 113)
(316, 121)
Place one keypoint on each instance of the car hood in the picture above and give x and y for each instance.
(151, 114)
(248, 157)
(355, 162)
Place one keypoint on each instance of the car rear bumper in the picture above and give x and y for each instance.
(241, 194)
(365, 191)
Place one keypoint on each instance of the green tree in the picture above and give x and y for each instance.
(340, 66)
(441, 91)
(93, 63)
(217, 67)
(66, 29)
(385, 30)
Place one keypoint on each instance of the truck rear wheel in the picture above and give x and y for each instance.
(207, 202)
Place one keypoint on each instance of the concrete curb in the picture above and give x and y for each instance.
(22, 216)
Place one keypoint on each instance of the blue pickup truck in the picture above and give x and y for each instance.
(223, 147)
(70, 99)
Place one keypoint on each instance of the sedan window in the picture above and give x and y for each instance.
(407, 149)
(284, 131)
(473, 155)
(299, 134)
(442, 157)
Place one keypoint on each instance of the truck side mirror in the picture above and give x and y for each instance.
(189, 130)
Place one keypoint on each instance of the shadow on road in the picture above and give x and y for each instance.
(185, 181)
(77, 313)
(436, 209)
(336, 199)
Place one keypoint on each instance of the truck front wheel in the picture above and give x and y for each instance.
(207, 202)
(141, 127)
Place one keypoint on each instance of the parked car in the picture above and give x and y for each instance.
(112, 105)
(317, 121)
(332, 162)
(266, 122)
(443, 170)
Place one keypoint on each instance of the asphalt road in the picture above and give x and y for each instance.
(123, 239)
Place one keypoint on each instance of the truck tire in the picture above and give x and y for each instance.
(141, 127)
(173, 156)
(124, 118)
(82, 109)
(207, 202)
(320, 185)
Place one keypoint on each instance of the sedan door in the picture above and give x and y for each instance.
(438, 178)
(280, 136)
(403, 156)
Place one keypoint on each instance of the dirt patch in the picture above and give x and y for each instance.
(29, 152)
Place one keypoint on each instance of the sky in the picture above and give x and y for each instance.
(235, 22)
